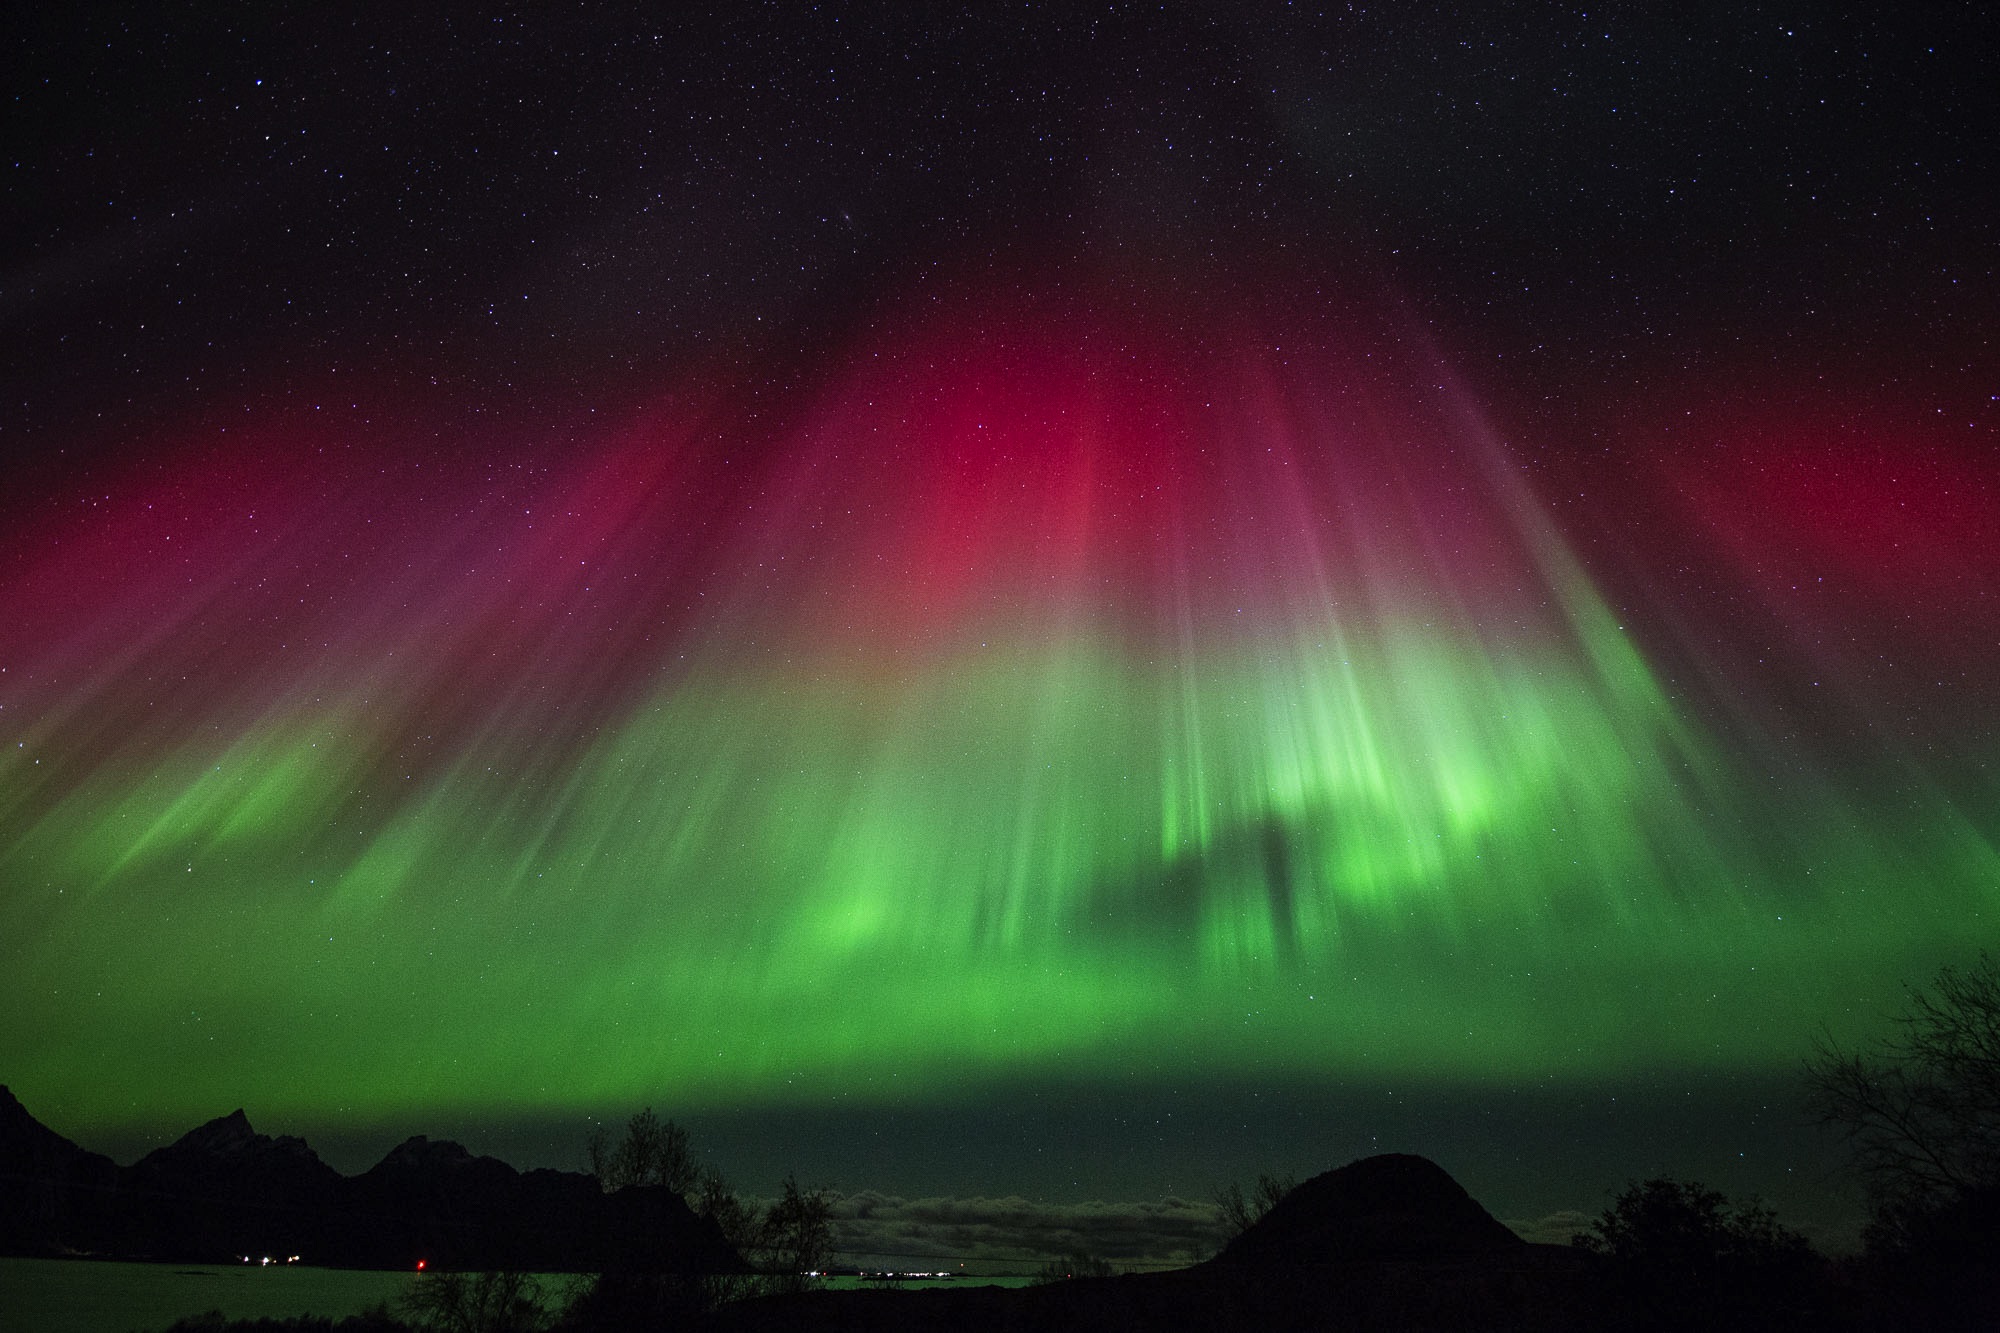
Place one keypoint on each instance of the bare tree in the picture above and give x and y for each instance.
(1921, 1110)
(503, 1302)
(1239, 1214)
(796, 1238)
(789, 1244)
(653, 1152)
(742, 1225)
(737, 1220)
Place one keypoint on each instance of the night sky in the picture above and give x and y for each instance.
(1069, 602)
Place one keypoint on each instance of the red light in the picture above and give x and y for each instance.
(420, 1265)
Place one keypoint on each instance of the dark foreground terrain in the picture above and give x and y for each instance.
(1389, 1242)
(1540, 1288)
(1385, 1243)
(223, 1191)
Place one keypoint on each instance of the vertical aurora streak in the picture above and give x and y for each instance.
(1049, 690)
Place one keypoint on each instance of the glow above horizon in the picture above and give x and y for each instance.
(1054, 693)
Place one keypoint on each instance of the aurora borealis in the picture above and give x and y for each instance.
(1067, 670)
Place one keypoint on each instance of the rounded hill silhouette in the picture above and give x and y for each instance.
(1394, 1207)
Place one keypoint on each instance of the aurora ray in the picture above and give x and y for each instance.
(1050, 690)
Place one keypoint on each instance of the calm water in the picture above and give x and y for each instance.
(84, 1296)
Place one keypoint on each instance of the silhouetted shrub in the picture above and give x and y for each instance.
(1935, 1263)
(639, 1300)
(368, 1321)
(1073, 1265)
(1677, 1255)
(477, 1303)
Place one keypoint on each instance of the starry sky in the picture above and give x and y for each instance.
(1068, 602)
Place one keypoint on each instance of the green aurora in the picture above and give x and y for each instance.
(1330, 816)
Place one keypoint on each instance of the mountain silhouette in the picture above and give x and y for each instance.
(1395, 1206)
(223, 1192)
(49, 1187)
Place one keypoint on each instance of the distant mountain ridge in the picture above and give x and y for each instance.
(222, 1192)
(1394, 1206)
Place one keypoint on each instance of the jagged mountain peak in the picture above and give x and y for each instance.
(421, 1151)
(229, 1142)
(223, 1190)
(225, 1133)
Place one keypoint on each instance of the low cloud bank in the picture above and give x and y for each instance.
(873, 1228)
(1012, 1234)
(1555, 1229)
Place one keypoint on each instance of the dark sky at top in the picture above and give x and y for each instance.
(561, 202)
